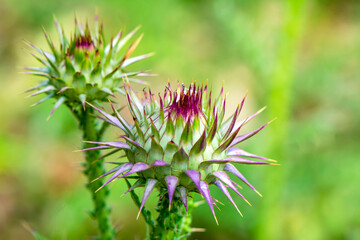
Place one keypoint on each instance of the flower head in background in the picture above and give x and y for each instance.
(85, 67)
(181, 142)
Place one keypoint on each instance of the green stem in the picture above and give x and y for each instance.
(173, 224)
(93, 169)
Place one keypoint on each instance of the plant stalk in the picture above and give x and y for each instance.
(93, 169)
(174, 223)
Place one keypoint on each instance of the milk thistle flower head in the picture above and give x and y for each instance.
(85, 67)
(181, 143)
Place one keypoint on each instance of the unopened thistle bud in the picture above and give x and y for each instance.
(180, 143)
(86, 67)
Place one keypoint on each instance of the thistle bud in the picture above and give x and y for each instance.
(181, 143)
(86, 67)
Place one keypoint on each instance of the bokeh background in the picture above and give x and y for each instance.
(299, 58)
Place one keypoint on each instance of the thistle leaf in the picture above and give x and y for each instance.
(168, 134)
(62, 37)
(183, 196)
(186, 136)
(138, 167)
(60, 101)
(110, 119)
(212, 131)
(225, 178)
(125, 125)
(132, 60)
(120, 145)
(79, 82)
(53, 67)
(195, 176)
(180, 162)
(223, 188)
(43, 100)
(82, 98)
(232, 159)
(149, 187)
(51, 45)
(135, 144)
(44, 90)
(131, 49)
(233, 151)
(241, 138)
(94, 148)
(204, 189)
(107, 91)
(171, 183)
(232, 123)
(230, 168)
(154, 131)
(156, 152)
(139, 183)
(140, 133)
(228, 142)
(199, 146)
(170, 150)
(159, 163)
(118, 172)
(125, 39)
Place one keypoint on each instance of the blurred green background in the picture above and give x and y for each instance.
(300, 58)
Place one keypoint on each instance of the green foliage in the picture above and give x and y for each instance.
(235, 41)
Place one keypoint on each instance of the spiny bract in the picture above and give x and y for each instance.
(181, 142)
(85, 68)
